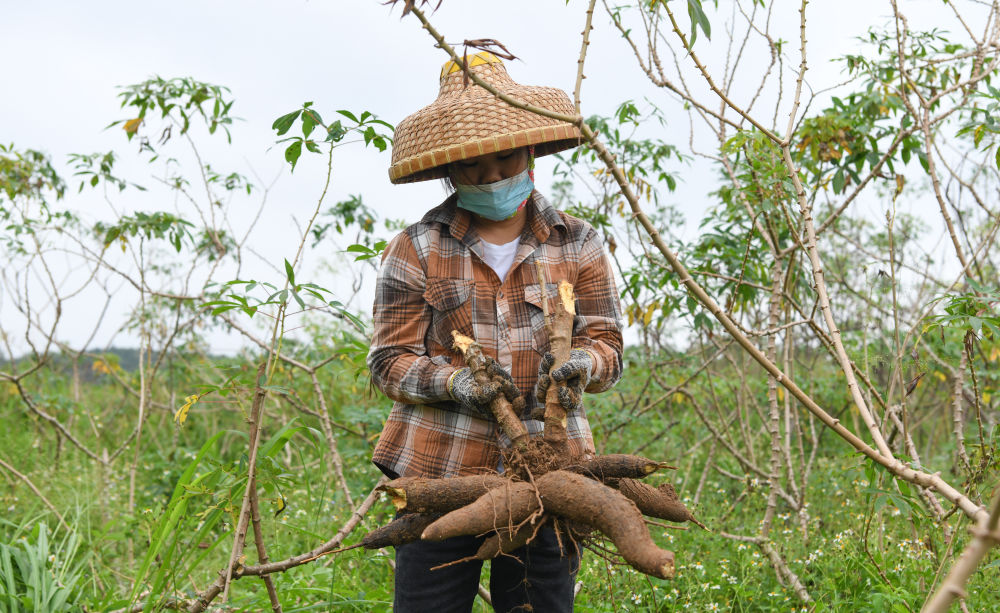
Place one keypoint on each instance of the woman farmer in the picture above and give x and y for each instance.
(470, 265)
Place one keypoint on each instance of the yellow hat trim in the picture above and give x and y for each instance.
(483, 57)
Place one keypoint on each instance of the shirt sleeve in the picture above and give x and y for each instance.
(598, 325)
(398, 358)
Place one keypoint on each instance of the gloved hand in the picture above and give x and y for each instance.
(465, 390)
(575, 372)
(507, 386)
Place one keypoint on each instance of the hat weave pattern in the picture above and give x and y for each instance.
(466, 121)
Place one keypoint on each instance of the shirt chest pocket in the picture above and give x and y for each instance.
(451, 309)
(534, 302)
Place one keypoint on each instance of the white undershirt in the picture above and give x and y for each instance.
(501, 257)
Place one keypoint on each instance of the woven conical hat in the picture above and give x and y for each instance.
(467, 121)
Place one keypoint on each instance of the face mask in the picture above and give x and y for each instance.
(496, 201)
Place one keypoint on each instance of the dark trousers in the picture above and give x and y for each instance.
(534, 578)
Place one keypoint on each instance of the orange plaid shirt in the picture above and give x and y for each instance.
(434, 280)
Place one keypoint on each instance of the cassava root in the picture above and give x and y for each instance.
(504, 507)
(584, 500)
(661, 502)
(568, 495)
(404, 529)
(617, 466)
(419, 495)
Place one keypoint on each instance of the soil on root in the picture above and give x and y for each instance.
(534, 459)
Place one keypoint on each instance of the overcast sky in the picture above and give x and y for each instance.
(62, 61)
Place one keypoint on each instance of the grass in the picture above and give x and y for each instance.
(41, 570)
(863, 545)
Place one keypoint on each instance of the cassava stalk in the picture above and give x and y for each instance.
(560, 343)
(985, 535)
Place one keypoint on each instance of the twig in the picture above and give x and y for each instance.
(356, 516)
(583, 55)
(258, 539)
(256, 412)
(331, 440)
(784, 572)
(711, 83)
(958, 414)
(659, 524)
(201, 602)
(141, 418)
(60, 428)
(13, 471)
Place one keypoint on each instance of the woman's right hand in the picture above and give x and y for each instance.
(476, 396)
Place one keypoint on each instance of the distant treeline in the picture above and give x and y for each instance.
(92, 364)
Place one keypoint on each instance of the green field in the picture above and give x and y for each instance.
(859, 544)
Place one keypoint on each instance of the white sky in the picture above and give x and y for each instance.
(62, 61)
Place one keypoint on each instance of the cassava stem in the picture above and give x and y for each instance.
(560, 331)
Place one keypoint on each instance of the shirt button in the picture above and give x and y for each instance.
(500, 294)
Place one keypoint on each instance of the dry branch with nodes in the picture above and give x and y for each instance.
(876, 449)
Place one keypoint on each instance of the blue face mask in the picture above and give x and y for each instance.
(496, 201)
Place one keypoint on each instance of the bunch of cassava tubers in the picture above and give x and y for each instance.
(541, 484)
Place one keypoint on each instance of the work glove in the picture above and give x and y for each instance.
(465, 390)
(575, 372)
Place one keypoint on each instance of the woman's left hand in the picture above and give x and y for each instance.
(575, 372)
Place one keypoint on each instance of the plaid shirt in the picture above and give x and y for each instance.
(434, 280)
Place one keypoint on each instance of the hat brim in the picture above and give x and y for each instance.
(434, 164)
